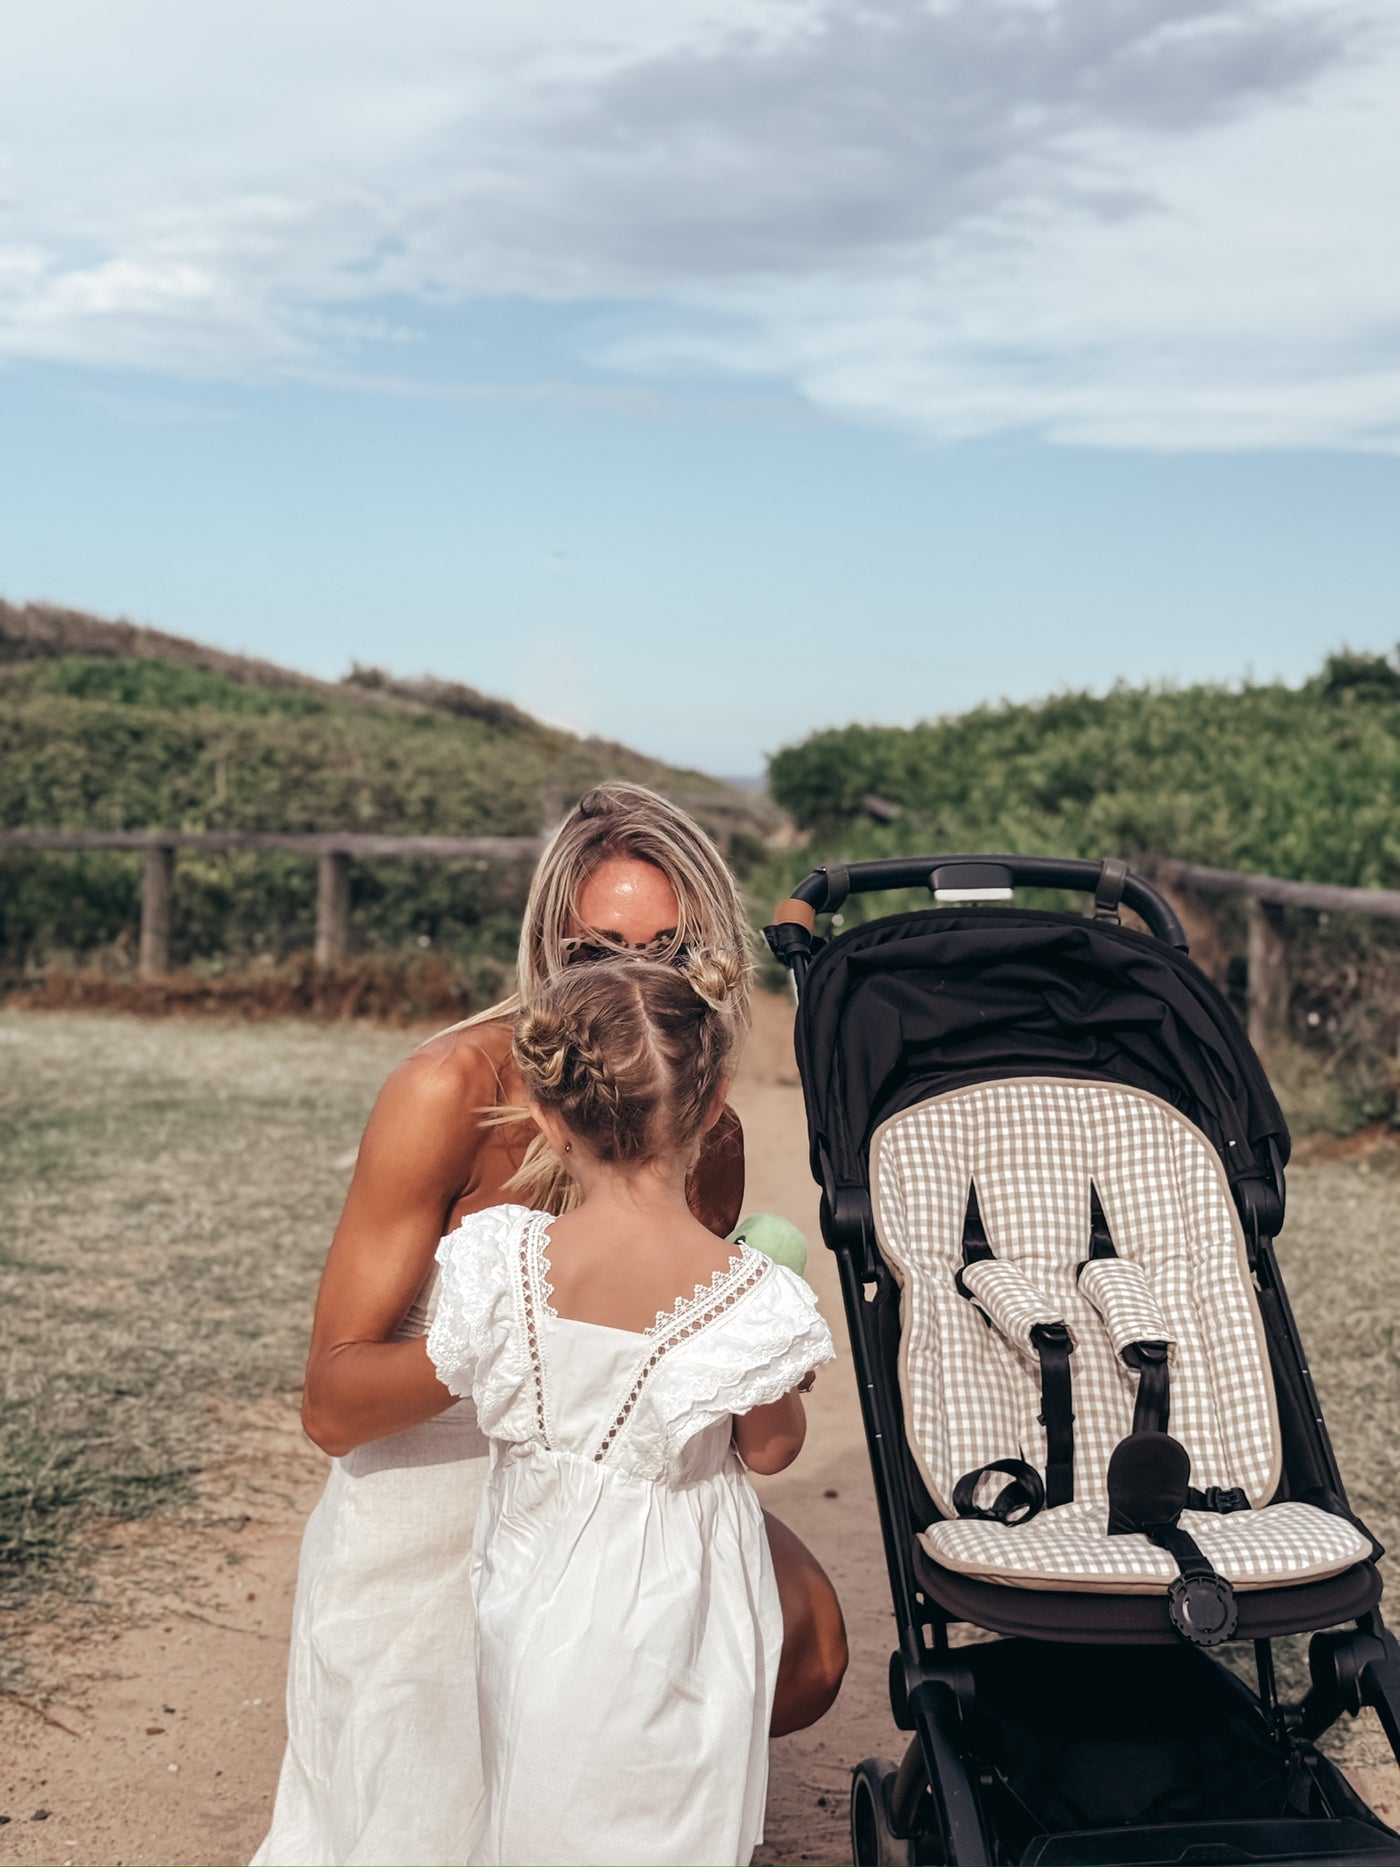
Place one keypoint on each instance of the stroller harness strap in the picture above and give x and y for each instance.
(1016, 1502)
(1141, 1335)
(1012, 1303)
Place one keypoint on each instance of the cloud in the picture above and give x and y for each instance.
(881, 126)
(1114, 222)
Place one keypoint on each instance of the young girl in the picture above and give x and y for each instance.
(626, 1368)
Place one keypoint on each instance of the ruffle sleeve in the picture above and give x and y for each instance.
(475, 1343)
(751, 1356)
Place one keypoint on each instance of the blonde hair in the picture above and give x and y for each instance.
(617, 820)
(630, 1052)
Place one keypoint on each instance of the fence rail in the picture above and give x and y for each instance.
(1266, 956)
(333, 849)
(1273, 891)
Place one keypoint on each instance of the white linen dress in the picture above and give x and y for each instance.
(382, 1764)
(628, 1625)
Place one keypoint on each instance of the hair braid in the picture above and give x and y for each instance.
(630, 1052)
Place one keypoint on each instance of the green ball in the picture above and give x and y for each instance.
(776, 1238)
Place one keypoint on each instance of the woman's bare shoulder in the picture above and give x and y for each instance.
(465, 1050)
(466, 1067)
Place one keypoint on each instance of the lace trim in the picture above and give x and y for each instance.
(665, 1318)
(738, 1392)
(531, 1275)
(684, 1322)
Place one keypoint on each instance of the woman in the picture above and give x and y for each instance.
(382, 1761)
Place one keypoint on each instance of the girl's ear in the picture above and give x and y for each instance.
(552, 1128)
(716, 1108)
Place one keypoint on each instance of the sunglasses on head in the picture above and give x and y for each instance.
(582, 949)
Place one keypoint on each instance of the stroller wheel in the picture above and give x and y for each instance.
(872, 1842)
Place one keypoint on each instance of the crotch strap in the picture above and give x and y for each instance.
(1148, 1488)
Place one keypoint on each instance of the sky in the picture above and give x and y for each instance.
(702, 375)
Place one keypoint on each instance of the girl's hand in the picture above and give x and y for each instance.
(808, 1382)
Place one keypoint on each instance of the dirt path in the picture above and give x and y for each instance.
(163, 1742)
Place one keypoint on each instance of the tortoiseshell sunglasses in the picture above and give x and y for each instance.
(581, 949)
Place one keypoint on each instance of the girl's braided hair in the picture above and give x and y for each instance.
(630, 1052)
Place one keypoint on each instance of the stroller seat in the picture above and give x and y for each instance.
(1072, 1271)
(1069, 1548)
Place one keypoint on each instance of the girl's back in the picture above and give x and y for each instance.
(628, 1624)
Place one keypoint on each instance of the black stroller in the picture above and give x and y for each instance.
(1052, 1171)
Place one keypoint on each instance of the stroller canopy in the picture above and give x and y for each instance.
(902, 1008)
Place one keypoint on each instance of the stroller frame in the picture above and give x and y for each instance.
(942, 1803)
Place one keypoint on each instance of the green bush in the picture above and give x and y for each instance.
(1300, 782)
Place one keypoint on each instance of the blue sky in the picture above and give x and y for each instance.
(702, 375)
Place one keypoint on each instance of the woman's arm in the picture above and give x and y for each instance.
(770, 1438)
(415, 1158)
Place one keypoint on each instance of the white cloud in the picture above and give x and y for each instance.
(1156, 223)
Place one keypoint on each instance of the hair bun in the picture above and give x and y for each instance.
(714, 977)
(541, 1042)
(599, 802)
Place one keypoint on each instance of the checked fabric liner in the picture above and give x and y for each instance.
(1033, 1146)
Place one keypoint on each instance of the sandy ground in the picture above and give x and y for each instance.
(163, 1742)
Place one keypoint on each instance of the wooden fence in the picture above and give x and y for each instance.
(1268, 895)
(334, 851)
(1266, 961)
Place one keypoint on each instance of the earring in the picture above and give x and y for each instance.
(568, 1147)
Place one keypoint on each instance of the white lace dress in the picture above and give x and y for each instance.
(381, 1697)
(628, 1627)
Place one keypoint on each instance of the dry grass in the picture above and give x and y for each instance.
(167, 1189)
(167, 1192)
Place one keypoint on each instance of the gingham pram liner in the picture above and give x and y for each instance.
(1033, 1146)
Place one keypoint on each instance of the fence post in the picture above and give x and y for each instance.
(332, 908)
(157, 883)
(1267, 975)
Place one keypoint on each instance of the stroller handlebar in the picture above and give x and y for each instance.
(970, 878)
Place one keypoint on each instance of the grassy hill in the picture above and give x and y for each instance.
(1294, 781)
(104, 725)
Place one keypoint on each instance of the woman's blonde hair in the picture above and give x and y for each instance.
(630, 822)
(630, 1053)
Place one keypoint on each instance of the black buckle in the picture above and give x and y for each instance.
(1202, 1609)
(1222, 1499)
